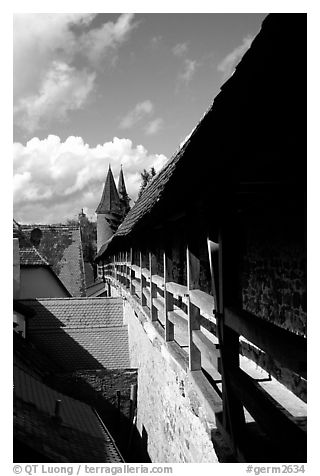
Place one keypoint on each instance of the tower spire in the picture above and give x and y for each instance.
(124, 198)
(109, 211)
(110, 201)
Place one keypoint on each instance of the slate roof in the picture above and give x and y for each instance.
(78, 437)
(61, 246)
(110, 201)
(121, 185)
(80, 333)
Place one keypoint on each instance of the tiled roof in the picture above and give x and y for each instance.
(80, 333)
(75, 312)
(110, 201)
(96, 287)
(28, 357)
(61, 246)
(151, 195)
(78, 437)
(31, 257)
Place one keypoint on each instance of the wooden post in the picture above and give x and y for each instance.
(143, 281)
(118, 397)
(153, 286)
(133, 400)
(122, 268)
(131, 272)
(168, 297)
(126, 282)
(224, 260)
(193, 275)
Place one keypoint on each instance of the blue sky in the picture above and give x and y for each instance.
(94, 89)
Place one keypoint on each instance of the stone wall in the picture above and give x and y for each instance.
(171, 417)
(274, 275)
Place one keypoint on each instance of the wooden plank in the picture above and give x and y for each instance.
(211, 399)
(287, 348)
(136, 270)
(158, 303)
(180, 321)
(158, 280)
(193, 274)
(221, 268)
(288, 378)
(213, 249)
(177, 289)
(143, 281)
(268, 414)
(126, 269)
(146, 292)
(204, 302)
(208, 325)
(136, 287)
(131, 272)
(168, 297)
(210, 354)
(153, 286)
(145, 272)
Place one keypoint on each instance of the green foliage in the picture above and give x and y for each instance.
(146, 177)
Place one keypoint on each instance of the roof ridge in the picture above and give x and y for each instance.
(47, 225)
(80, 298)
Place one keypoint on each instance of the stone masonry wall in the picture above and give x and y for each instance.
(274, 275)
(170, 417)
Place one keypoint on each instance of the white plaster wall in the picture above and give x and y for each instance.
(38, 282)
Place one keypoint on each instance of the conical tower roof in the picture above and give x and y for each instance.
(110, 201)
(124, 198)
(121, 185)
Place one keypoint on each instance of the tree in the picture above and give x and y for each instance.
(146, 177)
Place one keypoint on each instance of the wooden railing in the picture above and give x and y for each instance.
(210, 338)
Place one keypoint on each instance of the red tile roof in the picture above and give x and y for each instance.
(78, 437)
(61, 246)
(80, 333)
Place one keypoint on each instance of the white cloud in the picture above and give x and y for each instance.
(190, 67)
(53, 180)
(41, 42)
(63, 89)
(139, 112)
(228, 64)
(180, 49)
(110, 35)
(156, 41)
(154, 126)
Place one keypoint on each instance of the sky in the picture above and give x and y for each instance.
(91, 90)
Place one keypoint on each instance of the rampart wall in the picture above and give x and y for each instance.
(172, 415)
